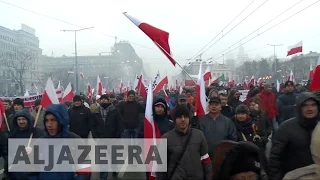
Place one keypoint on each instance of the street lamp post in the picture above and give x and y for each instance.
(274, 55)
(75, 54)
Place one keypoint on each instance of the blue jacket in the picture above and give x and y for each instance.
(61, 114)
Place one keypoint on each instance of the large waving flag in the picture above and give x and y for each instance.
(297, 48)
(158, 36)
(49, 96)
(68, 94)
(315, 84)
(207, 75)
(160, 85)
(150, 129)
(201, 103)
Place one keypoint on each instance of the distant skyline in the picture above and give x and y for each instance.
(191, 24)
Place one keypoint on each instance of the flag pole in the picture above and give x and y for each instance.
(176, 62)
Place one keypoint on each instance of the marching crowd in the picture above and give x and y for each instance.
(228, 143)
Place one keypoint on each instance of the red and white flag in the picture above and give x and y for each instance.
(291, 77)
(251, 81)
(151, 131)
(142, 88)
(160, 85)
(59, 91)
(207, 74)
(99, 87)
(201, 103)
(158, 36)
(89, 91)
(68, 94)
(315, 85)
(311, 73)
(121, 86)
(231, 83)
(297, 48)
(49, 96)
(136, 81)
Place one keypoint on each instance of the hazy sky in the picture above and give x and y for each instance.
(191, 24)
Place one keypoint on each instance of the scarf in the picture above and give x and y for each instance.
(244, 127)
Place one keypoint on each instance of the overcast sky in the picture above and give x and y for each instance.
(191, 24)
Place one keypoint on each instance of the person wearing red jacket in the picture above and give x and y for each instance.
(269, 104)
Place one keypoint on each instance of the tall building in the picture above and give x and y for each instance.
(19, 51)
(120, 63)
(242, 56)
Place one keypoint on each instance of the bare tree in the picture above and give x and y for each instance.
(19, 64)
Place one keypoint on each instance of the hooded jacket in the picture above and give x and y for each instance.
(286, 106)
(61, 114)
(291, 145)
(163, 123)
(17, 132)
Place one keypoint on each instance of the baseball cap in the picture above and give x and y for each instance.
(214, 100)
(182, 97)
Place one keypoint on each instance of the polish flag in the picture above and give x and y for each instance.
(81, 75)
(151, 131)
(68, 94)
(142, 88)
(158, 36)
(180, 90)
(160, 85)
(89, 93)
(297, 48)
(59, 92)
(207, 75)
(99, 86)
(251, 81)
(315, 85)
(231, 83)
(291, 77)
(49, 96)
(311, 73)
(201, 103)
(2, 116)
(121, 86)
(245, 85)
(259, 81)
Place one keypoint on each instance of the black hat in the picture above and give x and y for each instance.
(181, 110)
(214, 99)
(77, 98)
(18, 101)
(104, 96)
(288, 83)
(182, 97)
(131, 92)
(242, 109)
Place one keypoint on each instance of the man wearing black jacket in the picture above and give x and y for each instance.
(80, 118)
(286, 103)
(291, 145)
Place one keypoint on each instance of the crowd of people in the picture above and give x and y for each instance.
(228, 143)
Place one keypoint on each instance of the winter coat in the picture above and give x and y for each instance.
(190, 167)
(305, 173)
(286, 106)
(217, 130)
(80, 119)
(227, 111)
(268, 103)
(110, 128)
(130, 113)
(16, 132)
(61, 114)
(162, 122)
(291, 145)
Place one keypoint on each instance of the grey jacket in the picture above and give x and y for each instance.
(190, 167)
(217, 130)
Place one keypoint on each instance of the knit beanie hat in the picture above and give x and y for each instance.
(181, 110)
(242, 109)
(131, 92)
(77, 98)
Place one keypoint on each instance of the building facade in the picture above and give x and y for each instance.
(121, 63)
(19, 55)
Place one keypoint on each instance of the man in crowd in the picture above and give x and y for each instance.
(226, 110)
(40, 123)
(291, 145)
(215, 126)
(195, 162)
(286, 103)
(80, 118)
